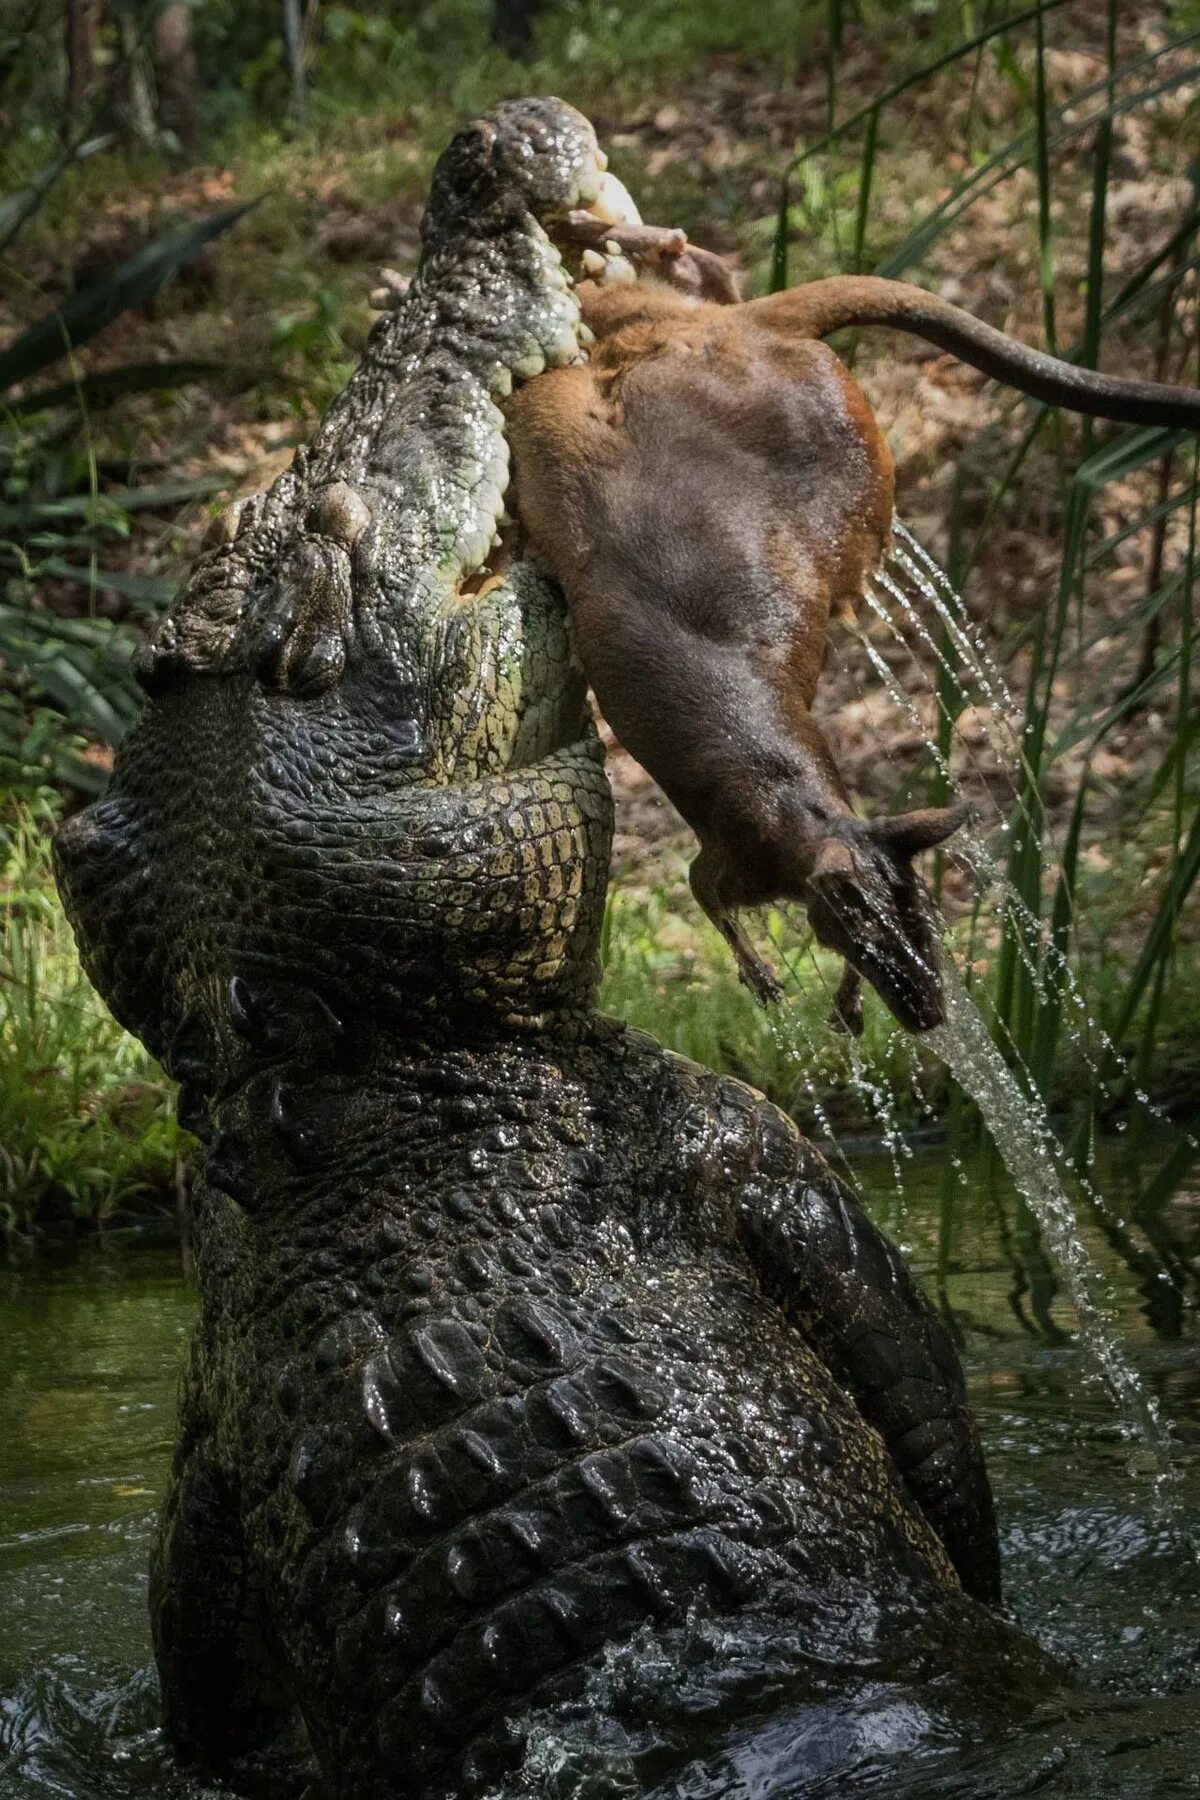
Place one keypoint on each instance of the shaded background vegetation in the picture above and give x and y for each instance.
(195, 203)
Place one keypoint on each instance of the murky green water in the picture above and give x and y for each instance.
(90, 1347)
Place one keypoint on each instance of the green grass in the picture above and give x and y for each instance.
(87, 1129)
(1067, 145)
(884, 180)
(668, 972)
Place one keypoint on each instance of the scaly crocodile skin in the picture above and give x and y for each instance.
(516, 1334)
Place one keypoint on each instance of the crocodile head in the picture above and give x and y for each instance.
(365, 784)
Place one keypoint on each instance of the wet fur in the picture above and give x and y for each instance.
(706, 490)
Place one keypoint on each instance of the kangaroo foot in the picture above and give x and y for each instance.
(757, 974)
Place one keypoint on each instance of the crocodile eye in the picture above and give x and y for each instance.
(340, 513)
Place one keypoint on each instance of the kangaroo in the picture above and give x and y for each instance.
(706, 488)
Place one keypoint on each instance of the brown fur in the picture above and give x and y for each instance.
(706, 489)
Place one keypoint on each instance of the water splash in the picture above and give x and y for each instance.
(1023, 1137)
(882, 1104)
(977, 671)
(904, 597)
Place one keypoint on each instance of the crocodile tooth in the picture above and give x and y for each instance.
(614, 203)
(563, 349)
(619, 272)
(489, 500)
(473, 551)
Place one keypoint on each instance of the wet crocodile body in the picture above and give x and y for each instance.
(518, 1337)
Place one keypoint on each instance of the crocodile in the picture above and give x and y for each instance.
(518, 1338)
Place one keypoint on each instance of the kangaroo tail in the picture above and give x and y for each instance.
(824, 306)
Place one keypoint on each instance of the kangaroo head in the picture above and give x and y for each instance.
(866, 901)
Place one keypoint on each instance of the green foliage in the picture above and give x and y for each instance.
(668, 971)
(387, 84)
(1048, 1028)
(86, 1125)
(56, 525)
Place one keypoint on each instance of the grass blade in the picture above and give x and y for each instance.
(779, 244)
(924, 73)
(1017, 152)
(106, 385)
(130, 284)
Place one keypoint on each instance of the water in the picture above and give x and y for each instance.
(1024, 1139)
(91, 1344)
(911, 582)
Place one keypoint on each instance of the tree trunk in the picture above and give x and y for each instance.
(138, 102)
(175, 57)
(82, 22)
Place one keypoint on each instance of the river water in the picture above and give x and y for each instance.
(91, 1341)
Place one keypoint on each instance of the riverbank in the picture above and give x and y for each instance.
(1072, 546)
(87, 1128)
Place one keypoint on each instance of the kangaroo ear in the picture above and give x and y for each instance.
(907, 833)
(834, 861)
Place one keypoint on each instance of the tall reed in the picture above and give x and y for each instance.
(1038, 1014)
